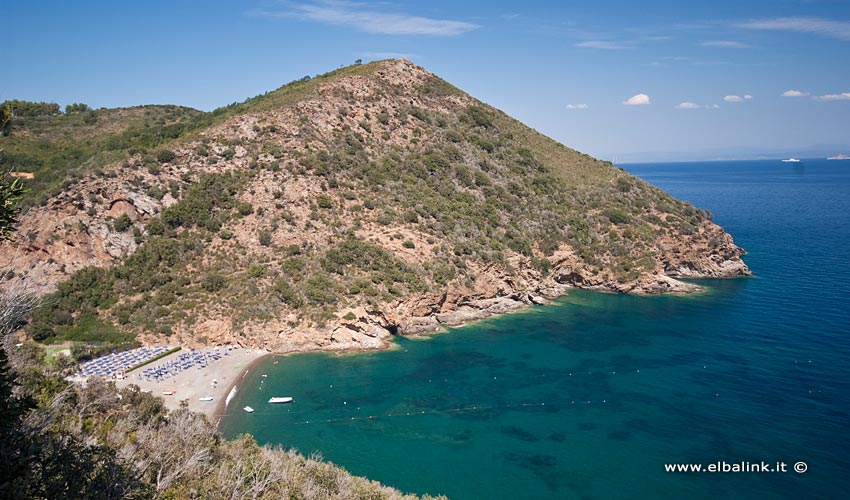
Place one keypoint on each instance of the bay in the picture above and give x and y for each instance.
(591, 396)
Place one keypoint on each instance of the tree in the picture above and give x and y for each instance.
(5, 119)
(15, 304)
(11, 191)
(76, 107)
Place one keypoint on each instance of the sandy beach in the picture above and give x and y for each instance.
(194, 383)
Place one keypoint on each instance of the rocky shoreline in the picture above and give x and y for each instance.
(494, 293)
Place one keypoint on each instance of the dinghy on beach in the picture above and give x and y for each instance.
(206, 398)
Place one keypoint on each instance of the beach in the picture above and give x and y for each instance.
(194, 383)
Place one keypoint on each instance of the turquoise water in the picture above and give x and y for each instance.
(588, 398)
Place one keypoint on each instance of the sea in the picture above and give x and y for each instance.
(598, 395)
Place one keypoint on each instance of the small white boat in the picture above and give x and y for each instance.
(248, 409)
(280, 400)
(791, 160)
(205, 398)
(169, 393)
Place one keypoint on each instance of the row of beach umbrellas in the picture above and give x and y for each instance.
(185, 361)
(119, 361)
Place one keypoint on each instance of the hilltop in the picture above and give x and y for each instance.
(330, 214)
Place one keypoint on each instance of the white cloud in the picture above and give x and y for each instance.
(733, 98)
(729, 44)
(794, 93)
(577, 106)
(687, 105)
(602, 44)
(637, 100)
(362, 17)
(693, 105)
(839, 30)
(747, 97)
(844, 96)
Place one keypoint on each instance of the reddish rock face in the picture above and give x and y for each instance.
(76, 228)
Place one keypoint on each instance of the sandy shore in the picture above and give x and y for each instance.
(194, 383)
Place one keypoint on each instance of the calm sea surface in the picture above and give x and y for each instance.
(590, 397)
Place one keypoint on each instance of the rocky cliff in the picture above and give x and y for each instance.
(336, 211)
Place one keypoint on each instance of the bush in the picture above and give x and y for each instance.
(76, 107)
(320, 289)
(213, 282)
(616, 216)
(284, 291)
(265, 238)
(122, 223)
(201, 201)
(324, 201)
(256, 270)
(165, 156)
(155, 227)
(245, 208)
(479, 116)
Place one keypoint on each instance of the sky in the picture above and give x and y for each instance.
(620, 80)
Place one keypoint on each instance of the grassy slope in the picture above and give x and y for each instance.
(477, 184)
(57, 149)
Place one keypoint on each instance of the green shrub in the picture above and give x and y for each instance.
(265, 238)
(122, 223)
(324, 201)
(245, 208)
(165, 156)
(256, 271)
(320, 289)
(284, 291)
(76, 107)
(616, 216)
(213, 282)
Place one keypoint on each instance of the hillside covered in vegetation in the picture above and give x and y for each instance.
(329, 214)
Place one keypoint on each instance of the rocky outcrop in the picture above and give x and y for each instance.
(645, 246)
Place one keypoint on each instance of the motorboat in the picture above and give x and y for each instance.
(248, 409)
(280, 400)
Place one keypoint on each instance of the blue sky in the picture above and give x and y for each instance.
(698, 76)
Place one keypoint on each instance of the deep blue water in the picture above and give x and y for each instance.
(588, 398)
